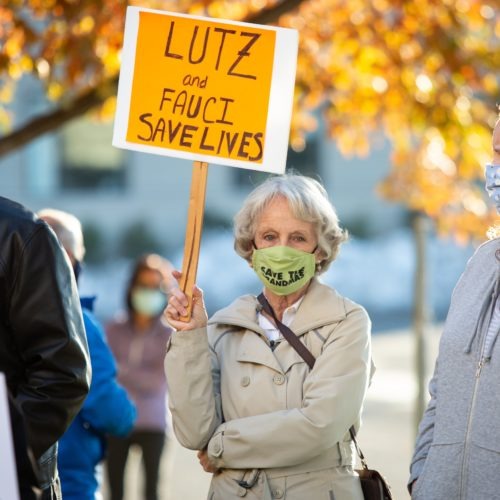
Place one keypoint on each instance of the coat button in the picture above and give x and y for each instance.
(245, 381)
(278, 493)
(278, 379)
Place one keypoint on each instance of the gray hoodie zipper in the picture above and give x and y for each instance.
(484, 358)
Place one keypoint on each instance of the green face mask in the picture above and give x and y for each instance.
(283, 269)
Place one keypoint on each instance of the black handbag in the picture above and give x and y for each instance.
(373, 484)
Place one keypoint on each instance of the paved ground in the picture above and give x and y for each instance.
(386, 438)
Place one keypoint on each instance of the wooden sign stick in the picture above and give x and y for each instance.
(194, 227)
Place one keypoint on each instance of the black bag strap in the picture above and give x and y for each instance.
(292, 339)
(307, 356)
(358, 449)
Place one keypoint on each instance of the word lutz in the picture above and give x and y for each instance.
(219, 38)
(280, 279)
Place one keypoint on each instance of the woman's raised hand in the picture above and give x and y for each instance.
(177, 307)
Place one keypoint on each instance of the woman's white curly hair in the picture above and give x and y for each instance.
(308, 201)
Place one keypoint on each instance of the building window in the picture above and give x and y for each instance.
(304, 162)
(88, 160)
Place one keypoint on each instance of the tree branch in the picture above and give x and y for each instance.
(51, 121)
(272, 14)
(95, 97)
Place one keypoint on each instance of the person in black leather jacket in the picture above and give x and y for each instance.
(43, 348)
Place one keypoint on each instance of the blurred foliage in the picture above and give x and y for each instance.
(138, 239)
(422, 72)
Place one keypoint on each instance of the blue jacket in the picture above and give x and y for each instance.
(107, 410)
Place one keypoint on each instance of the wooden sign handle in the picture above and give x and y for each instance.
(194, 227)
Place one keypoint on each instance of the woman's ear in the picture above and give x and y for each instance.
(251, 249)
(318, 255)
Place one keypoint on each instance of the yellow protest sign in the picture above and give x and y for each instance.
(207, 90)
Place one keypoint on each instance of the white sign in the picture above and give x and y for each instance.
(8, 474)
(206, 89)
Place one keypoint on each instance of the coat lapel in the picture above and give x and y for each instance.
(254, 349)
(287, 356)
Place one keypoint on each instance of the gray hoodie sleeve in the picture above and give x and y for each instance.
(425, 431)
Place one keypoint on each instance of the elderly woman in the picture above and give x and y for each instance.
(266, 424)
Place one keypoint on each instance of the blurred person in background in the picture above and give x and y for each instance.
(43, 348)
(267, 424)
(107, 410)
(457, 451)
(138, 339)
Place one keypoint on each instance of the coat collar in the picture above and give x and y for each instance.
(321, 306)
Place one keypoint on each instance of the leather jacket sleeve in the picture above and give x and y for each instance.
(46, 327)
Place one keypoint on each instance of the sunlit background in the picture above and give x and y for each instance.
(393, 110)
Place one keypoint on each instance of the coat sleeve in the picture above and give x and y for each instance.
(107, 407)
(333, 395)
(196, 395)
(425, 431)
(47, 329)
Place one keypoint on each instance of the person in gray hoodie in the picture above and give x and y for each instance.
(457, 451)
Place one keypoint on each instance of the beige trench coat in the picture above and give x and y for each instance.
(263, 416)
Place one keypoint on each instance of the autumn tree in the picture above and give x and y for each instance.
(424, 74)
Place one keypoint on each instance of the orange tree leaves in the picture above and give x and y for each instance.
(424, 73)
(69, 45)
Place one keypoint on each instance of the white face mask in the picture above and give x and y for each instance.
(493, 184)
(147, 301)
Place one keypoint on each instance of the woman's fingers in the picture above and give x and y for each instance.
(205, 462)
(177, 275)
(177, 308)
(178, 303)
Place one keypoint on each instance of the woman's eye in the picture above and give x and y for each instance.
(269, 237)
(299, 238)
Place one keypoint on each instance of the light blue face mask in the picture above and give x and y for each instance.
(147, 301)
(493, 184)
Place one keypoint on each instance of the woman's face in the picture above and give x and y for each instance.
(277, 226)
(148, 298)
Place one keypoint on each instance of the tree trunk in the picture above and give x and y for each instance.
(420, 228)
